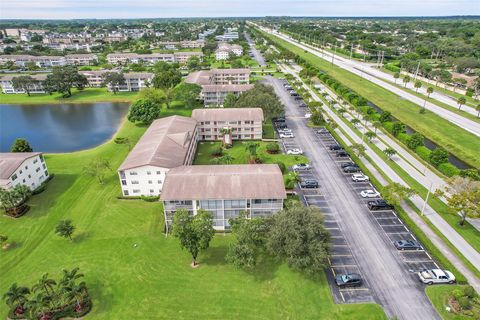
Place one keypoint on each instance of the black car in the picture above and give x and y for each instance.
(335, 147)
(281, 125)
(322, 131)
(348, 164)
(407, 245)
(302, 105)
(379, 205)
(348, 280)
(342, 154)
(309, 184)
(278, 119)
(297, 98)
(351, 169)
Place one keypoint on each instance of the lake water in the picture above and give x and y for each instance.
(60, 127)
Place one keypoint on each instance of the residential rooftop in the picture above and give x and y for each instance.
(249, 181)
(10, 161)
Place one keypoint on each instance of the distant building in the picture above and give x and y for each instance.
(225, 51)
(50, 61)
(242, 123)
(95, 78)
(228, 36)
(168, 143)
(124, 58)
(224, 190)
(182, 57)
(27, 168)
(135, 81)
(83, 59)
(7, 84)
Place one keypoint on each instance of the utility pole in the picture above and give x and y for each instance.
(416, 72)
(426, 199)
(351, 51)
(335, 50)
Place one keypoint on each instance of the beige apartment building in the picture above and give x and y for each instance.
(242, 123)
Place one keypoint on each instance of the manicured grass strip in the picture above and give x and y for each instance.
(83, 96)
(459, 142)
(268, 131)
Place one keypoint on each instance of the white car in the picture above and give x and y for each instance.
(285, 130)
(286, 135)
(308, 115)
(369, 193)
(436, 276)
(360, 177)
(301, 167)
(295, 151)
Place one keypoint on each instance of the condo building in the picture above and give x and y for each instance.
(37, 87)
(124, 58)
(27, 168)
(224, 190)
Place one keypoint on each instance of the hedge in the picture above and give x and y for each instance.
(403, 137)
(448, 169)
(391, 67)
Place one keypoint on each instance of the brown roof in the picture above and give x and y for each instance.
(10, 161)
(251, 181)
(38, 77)
(164, 144)
(228, 114)
(226, 87)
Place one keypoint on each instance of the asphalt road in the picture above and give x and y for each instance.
(394, 286)
(256, 54)
(370, 74)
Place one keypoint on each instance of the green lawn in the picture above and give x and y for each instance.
(268, 131)
(84, 96)
(154, 279)
(438, 296)
(462, 144)
(240, 155)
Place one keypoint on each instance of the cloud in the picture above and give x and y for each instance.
(68, 9)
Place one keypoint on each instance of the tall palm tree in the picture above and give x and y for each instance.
(461, 101)
(16, 296)
(45, 284)
(376, 125)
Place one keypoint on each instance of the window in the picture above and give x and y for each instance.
(124, 182)
(133, 173)
(29, 176)
(38, 169)
(21, 172)
(151, 191)
(149, 173)
(134, 182)
(159, 172)
(136, 191)
(125, 192)
(26, 167)
(149, 181)
(46, 173)
(23, 180)
(159, 181)
(44, 166)
(14, 177)
(35, 161)
(41, 158)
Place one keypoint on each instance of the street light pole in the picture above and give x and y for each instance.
(426, 199)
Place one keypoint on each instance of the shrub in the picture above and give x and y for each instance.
(388, 126)
(423, 152)
(273, 147)
(464, 303)
(149, 198)
(405, 138)
(392, 67)
(217, 151)
(457, 293)
(398, 128)
(448, 169)
(282, 166)
(438, 156)
(416, 140)
(120, 140)
(469, 291)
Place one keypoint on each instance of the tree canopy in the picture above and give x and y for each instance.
(63, 79)
(144, 111)
(261, 96)
(21, 145)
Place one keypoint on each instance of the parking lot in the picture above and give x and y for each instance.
(362, 240)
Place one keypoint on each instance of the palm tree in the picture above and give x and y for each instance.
(389, 152)
(69, 276)
(16, 296)
(396, 76)
(45, 284)
(406, 80)
(418, 85)
(78, 293)
(355, 121)
(251, 147)
(370, 135)
(429, 91)
(376, 125)
(359, 149)
(65, 229)
(341, 111)
(461, 101)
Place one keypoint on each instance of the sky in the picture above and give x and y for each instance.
(70, 9)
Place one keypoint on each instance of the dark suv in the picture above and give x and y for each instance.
(348, 280)
(351, 169)
(342, 154)
(309, 183)
(335, 147)
(379, 205)
(348, 164)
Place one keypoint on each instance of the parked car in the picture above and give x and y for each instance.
(348, 280)
(284, 130)
(280, 125)
(348, 164)
(308, 115)
(436, 276)
(301, 167)
(370, 193)
(360, 177)
(278, 119)
(294, 94)
(335, 147)
(407, 245)
(295, 151)
(309, 183)
(322, 131)
(302, 105)
(351, 169)
(342, 154)
(286, 135)
(379, 205)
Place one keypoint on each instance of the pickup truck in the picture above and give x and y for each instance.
(436, 276)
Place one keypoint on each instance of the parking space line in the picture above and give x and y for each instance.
(353, 289)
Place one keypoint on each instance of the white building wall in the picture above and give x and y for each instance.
(142, 181)
(31, 173)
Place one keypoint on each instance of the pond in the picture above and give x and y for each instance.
(60, 127)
